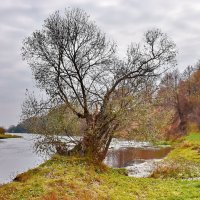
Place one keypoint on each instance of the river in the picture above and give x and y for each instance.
(17, 156)
(139, 158)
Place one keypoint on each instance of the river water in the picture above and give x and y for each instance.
(17, 156)
(139, 158)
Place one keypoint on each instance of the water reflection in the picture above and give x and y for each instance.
(124, 157)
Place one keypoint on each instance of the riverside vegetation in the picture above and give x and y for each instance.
(62, 177)
(6, 136)
(3, 134)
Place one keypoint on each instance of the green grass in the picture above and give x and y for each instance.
(187, 149)
(7, 136)
(194, 138)
(163, 143)
(183, 161)
(73, 178)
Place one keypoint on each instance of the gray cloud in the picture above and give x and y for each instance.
(123, 20)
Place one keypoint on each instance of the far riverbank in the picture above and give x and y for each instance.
(7, 136)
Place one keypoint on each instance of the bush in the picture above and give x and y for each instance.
(2, 130)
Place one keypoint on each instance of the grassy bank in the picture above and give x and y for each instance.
(6, 136)
(183, 161)
(72, 178)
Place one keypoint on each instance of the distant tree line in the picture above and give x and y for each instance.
(17, 129)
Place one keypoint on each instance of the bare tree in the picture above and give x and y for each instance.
(77, 66)
(172, 96)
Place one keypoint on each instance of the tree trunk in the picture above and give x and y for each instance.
(97, 138)
(182, 124)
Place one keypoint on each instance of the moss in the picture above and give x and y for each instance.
(77, 178)
(6, 136)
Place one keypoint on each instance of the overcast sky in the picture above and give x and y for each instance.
(123, 20)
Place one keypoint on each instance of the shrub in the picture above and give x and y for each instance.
(2, 130)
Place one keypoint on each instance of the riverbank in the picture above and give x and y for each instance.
(7, 136)
(80, 179)
(183, 161)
